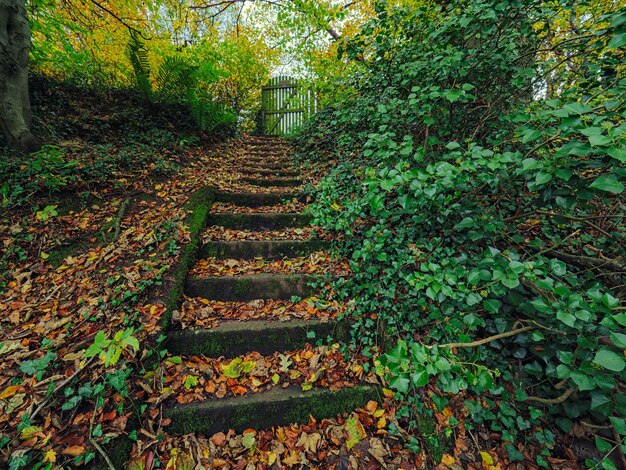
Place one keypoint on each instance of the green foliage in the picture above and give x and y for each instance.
(476, 201)
(179, 81)
(110, 350)
(37, 367)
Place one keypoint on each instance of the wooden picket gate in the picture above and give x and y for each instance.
(285, 106)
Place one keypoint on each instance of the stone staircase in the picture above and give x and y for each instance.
(266, 166)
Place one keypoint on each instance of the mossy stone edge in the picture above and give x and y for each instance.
(253, 170)
(266, 249)
(257, 199)
(254, 336)
(199, 205)
(259, 221)
(277, 407)
(246, 288)
(273, 182)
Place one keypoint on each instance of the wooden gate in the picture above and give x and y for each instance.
(285, 106)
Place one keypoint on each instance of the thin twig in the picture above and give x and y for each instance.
(93, 442)
(616, 446)
(577, 219)
(489, 339)
(622, 457)
(102, 452)
(120, 217)
(59, 387)
(553, 401)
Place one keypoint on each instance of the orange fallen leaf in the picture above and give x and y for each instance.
(218, 439)
(74, 451)
(371, 406)
(9, 391)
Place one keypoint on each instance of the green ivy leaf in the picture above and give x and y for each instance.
(618, 154)
(492, 305)
(599, 140)
(543, 178)
(609, 360)
(559, 268)
(582, 381)
(619, 339)
(419, 378)
(400, 383)
(566, 317)
(608, 183)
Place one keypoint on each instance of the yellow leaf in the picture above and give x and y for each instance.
(486, 458)
(9, 391)
(29, 432)
(50, 456)
(447, 459)
(275, 379)
(388, 393)
(271, 458)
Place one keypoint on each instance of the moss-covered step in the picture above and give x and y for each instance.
(268, 163)
(235, 338)
(285, 162)
(272, 182)
(259, 221)
(244, 288)
(276, 407)
(250, 199)
(267, 249)
(279, 172)
(267, 152)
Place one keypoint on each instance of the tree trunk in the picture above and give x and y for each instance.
(14, 100)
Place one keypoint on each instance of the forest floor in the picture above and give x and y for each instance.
(89, 231)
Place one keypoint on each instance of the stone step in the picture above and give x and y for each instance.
(274, 160)
(265, 172)
(235, 338)
(272, 182)
(257, 199)
(259, 221)
(267, 249)
(269, 166)
(264, 410)
(245, 288)
(268, 151)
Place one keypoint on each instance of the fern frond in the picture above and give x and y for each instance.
(138, 55)
(175, 80)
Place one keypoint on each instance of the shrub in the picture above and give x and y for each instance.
(480, 187)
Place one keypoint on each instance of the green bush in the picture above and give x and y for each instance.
(480, 186)
(179, 81)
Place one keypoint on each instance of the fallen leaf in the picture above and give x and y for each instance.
(218, 439)
(9, 392)
(74, 451)
(355, 430)
(447, 459)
